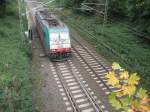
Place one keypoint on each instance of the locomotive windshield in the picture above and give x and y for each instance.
(54, 37)
(59, 39)
(65, 37)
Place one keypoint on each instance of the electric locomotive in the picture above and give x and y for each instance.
(54, 36)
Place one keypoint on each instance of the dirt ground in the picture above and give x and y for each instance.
(45, 93)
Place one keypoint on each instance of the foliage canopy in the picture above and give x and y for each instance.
(137, 11)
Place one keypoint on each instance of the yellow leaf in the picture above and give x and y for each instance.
(117, 86)
(124, 75)
(120, 93)
(129, 90)
(136, 104)
(130, 110)
(110, 74)
(116, 66)
(133, 79)
(112, 80)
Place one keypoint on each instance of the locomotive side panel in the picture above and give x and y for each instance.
(46, 38)
(44, 35)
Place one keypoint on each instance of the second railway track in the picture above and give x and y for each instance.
(94, 65)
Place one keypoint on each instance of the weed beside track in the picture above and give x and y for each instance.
(131, 51)
(15, 84)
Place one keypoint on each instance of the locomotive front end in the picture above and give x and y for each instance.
(60, 45)
(54, 36)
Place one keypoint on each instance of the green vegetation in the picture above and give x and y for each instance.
(115, 41)
(130, 97)
(135, 11)
(15, 84)
(132, 52)
(2, 7)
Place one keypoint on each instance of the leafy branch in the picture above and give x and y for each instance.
(129, 97)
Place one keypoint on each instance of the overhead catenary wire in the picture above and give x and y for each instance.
(41, 5)
(105, 15)
(130, 28)
(93, 4)
(102, 12)
(20, 18)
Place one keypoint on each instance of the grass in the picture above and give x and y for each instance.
(131, 51)
(15, 84)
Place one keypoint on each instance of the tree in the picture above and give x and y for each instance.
(137, 11)
(2, 7)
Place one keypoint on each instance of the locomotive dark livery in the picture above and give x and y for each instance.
(54, 35)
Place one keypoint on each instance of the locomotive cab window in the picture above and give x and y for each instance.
(64, 35)
(54, 37)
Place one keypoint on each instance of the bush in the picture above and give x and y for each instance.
(15, 84)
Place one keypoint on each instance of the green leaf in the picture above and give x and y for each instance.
(112, 95)
(126, 101)
(142, 93)
(114, 101)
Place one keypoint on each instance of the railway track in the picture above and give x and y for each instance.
(75, 91)
(95, 66)
(77, 95)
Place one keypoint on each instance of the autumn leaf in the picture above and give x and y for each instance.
(136, 104)
(116, 66)
(120, 93)
(112, 80)
(128, 90)
(130, 110)
(124, 75)
(127, 97)
(145, 104)
(146, 108)
(145, 100)
(133, 79)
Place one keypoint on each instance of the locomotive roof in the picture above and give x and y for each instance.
(50, 19)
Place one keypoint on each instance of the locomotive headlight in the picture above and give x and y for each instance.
(53, 50)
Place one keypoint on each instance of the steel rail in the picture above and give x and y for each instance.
(95, 105)
(92, 69)
(90, 53)
(91, 100)
(69, 95)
